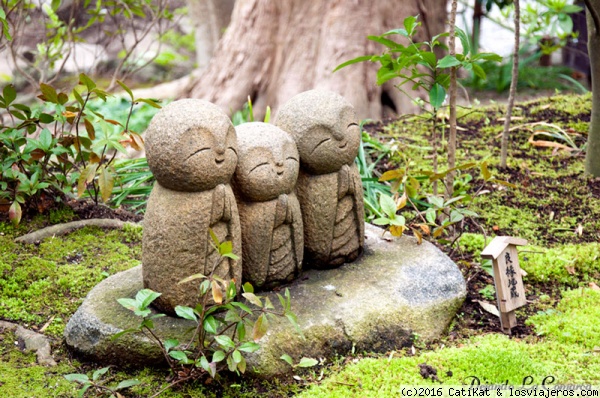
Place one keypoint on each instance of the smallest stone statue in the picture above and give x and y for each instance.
(270, 217)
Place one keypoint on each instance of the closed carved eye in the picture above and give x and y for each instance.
(291, 158)
(233, 149)
(198, 151)
(320, 143)
(257, 166)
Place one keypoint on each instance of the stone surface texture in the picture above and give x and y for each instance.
(191, 148)
(396, 290)
(329, 187)
(270, 218)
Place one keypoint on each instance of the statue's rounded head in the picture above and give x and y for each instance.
(325, 129)
(191, 146)
(268, 162)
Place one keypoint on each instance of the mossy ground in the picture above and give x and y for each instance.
(555, 206)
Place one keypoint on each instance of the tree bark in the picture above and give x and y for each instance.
(274, 50)
(209, 18)
(592, 156)
(513, 87)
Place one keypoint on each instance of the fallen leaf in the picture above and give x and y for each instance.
(495, 228)
(570, 269)
(593, 286)
(489, 308)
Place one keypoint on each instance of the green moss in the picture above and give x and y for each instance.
(46, 283)
(576, 319)
(492, 358)
(566, 264)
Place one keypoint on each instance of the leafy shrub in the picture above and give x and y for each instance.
(50, 152)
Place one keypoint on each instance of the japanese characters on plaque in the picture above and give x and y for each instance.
(508, 276)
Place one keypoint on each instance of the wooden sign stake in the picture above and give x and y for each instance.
(508, 277)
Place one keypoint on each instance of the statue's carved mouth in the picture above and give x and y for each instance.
(219, 161)
(344, 145)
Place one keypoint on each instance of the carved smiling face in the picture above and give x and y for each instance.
(268, 162)
(191, 146)
(324, 127)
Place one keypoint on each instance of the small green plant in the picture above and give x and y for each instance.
(246, 114)
(435, 214)
(96, 385)
(488, 292)
(226, 328)
(48, 151)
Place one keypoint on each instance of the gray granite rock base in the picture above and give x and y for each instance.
(395, 291)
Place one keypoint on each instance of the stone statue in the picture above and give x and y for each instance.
(271, 221)
(329, 187)
(191, 148)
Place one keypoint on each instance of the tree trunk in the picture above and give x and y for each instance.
(209, 18)
(273, 50)
(592, 157)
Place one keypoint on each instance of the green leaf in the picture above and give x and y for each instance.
(478, 70)
(96, 375)
(249, 347)
(242, 306)
(45, 139)
(410, 24)
(248, 288)
(464, 40)
(353, 61)
(179, 356)
(307, 362)
(49, 93)
(86, 81)
(456, 216)
(485, 172)
(387, 204)
(127, 384)
(288, 359)
(106, 184)
(151, 102)
(447, 62)
(225, 248)
(169, 344)
(86, 176)
(128, 303)
(145, 297)
(218, 356)
(429, 58)
(237, 356)
(78, 377)
(211, 325)
(225, 341)
(437, 95)
(10, 94)
(186, 313)
(401, 32)
(46, 118)
(381, 221)
(191, 278)
(253, 299)
(124, 87)
(260, 327)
